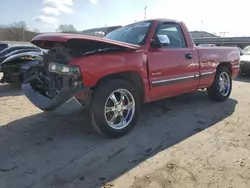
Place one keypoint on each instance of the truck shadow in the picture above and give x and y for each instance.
(42, 149)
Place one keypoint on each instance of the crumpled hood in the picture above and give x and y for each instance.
(78, 41)
(245, 58)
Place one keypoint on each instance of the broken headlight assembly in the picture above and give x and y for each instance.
(64, 69)
(72, 72)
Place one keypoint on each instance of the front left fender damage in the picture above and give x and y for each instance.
(55, 86)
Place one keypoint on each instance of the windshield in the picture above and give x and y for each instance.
(133, 33)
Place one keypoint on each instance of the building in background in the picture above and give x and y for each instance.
(201, 34)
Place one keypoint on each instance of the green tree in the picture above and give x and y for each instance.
(65, 28)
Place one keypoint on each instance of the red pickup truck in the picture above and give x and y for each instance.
(137, 63)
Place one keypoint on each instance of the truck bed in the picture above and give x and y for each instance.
(210, 57)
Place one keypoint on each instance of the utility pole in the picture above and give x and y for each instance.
(201, 25)
(145, 12)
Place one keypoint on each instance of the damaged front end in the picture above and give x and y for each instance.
(55, 84)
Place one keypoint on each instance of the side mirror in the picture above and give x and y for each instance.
(160, 41)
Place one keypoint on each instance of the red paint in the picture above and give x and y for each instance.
(152, 64)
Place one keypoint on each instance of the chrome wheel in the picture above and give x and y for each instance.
(224, 83)
(119, 109)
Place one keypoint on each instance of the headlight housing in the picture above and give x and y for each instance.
(64, 69)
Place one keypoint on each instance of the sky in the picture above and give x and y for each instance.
(213, 16)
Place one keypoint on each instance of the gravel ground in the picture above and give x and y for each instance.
(186, 141)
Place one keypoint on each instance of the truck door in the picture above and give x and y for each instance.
(173, 68)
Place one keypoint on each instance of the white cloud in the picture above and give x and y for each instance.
(51, 10)
(93, 1)
(55, 3)
(60, 5)
(65, 9)
(45, 19)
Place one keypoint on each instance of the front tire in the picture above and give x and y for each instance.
(222, 85)
(114, 108)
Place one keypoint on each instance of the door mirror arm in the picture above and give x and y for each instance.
(155, 44)
(160, 41)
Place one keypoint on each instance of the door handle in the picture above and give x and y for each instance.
(188, 56)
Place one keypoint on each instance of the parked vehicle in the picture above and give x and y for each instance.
(138, 63)
(3, 46)
(14, 48)
(2, 58)
(11, 66)
(245, 63)
(241, 51)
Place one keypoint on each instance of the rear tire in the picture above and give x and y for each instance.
(222, 85)
(114, 101)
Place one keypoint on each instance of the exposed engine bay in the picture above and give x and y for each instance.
(53, 74)
(52, 83)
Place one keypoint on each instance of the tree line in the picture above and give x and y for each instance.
(18, 31)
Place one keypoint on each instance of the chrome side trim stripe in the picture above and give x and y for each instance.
(207, 73)
(180, 79)
(173, 79)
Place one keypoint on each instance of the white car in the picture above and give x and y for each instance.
(245, 62)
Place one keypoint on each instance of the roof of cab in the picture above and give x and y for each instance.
(163, 20)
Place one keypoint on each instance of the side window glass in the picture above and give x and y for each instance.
(174, 33)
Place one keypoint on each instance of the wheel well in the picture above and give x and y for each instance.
(227, 65)
(130, 76)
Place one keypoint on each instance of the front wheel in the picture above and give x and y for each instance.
(114, 108)
(222, 85)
